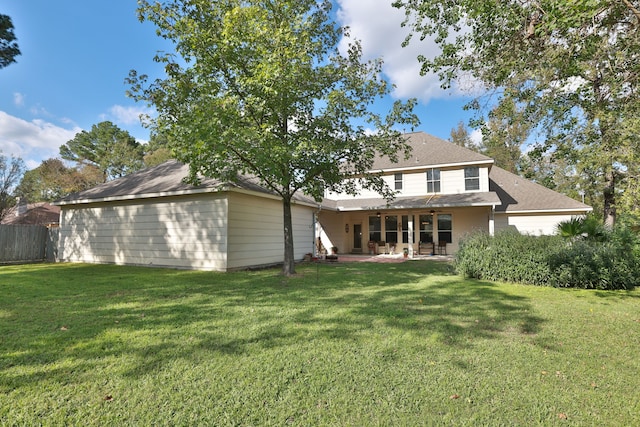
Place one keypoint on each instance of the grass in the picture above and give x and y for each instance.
(344, 344)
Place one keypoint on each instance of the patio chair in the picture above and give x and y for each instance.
(425, 248)
(442, 248)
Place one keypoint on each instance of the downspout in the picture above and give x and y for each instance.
(316, 231)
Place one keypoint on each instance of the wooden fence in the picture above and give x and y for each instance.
(28, 243)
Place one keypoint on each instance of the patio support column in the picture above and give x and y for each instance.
(410, 237)
(491, 221)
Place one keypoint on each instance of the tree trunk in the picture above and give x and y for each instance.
(289, 266)
(609, 197)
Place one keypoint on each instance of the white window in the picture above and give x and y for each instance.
(391, 229)
(375, 229)
(445, 228)
(405, 229)
(398, 181)
(471, 178)
(426, 228)
(433, 181)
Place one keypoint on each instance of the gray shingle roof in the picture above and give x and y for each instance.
(519, 194)
(508, 192)
(428, 150)
(163, 180)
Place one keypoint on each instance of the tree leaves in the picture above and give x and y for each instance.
(263, 89)
(112, 150)
(571, 69)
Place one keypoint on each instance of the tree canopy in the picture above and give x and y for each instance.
(107, 147)
(570, 68)
(52, 180)
(8, 42)
(261, 88)
(11, 170)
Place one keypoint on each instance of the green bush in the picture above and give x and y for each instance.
(608, 262)
(507, 256)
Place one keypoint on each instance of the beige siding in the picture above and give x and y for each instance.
(452, 181)
(182, 232)
(531, 224)
(256, 231)
(415, 184)
(467, 221)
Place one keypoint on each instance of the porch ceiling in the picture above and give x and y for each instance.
(433, 201)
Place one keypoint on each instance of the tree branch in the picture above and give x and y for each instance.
(633, 9)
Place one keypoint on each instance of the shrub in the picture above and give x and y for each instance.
(608, 261)
(508, 256)
(591, 264)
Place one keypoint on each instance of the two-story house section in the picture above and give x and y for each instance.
(443, 192)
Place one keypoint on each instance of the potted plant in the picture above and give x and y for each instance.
(405, 252)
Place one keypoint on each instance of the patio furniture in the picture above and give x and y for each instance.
(426, 248)
(442, 248)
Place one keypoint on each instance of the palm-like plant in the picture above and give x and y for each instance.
(572, 228)
(588, 227)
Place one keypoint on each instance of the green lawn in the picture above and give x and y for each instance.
(340, 344)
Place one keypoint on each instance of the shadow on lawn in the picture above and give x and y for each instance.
(117, 312)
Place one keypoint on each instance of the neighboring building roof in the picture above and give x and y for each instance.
(521, 195)
(163, 180)
(429, 151)
(41, 213)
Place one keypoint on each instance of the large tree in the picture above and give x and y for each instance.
(52, 180)
(157, 150)
(107, 147)
(8, 42)
(570, 67)
(263, 89)
(503, 134)
(460, 136)
(11, 170)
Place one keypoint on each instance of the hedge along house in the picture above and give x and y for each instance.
(443, 193)
(153, 218)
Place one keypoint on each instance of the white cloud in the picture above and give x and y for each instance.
(128, 115)
(476, 137)
(377, 25)
(32, 141)
(18, 99)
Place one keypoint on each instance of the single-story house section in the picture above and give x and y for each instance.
(444, 192)
(153, 218)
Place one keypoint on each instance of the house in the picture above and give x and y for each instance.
(41, 213)
(443, 193)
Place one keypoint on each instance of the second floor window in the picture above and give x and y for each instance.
(398, 181)
(433, 181)
(472, 178)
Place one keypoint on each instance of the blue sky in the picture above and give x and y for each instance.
(77, 53)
